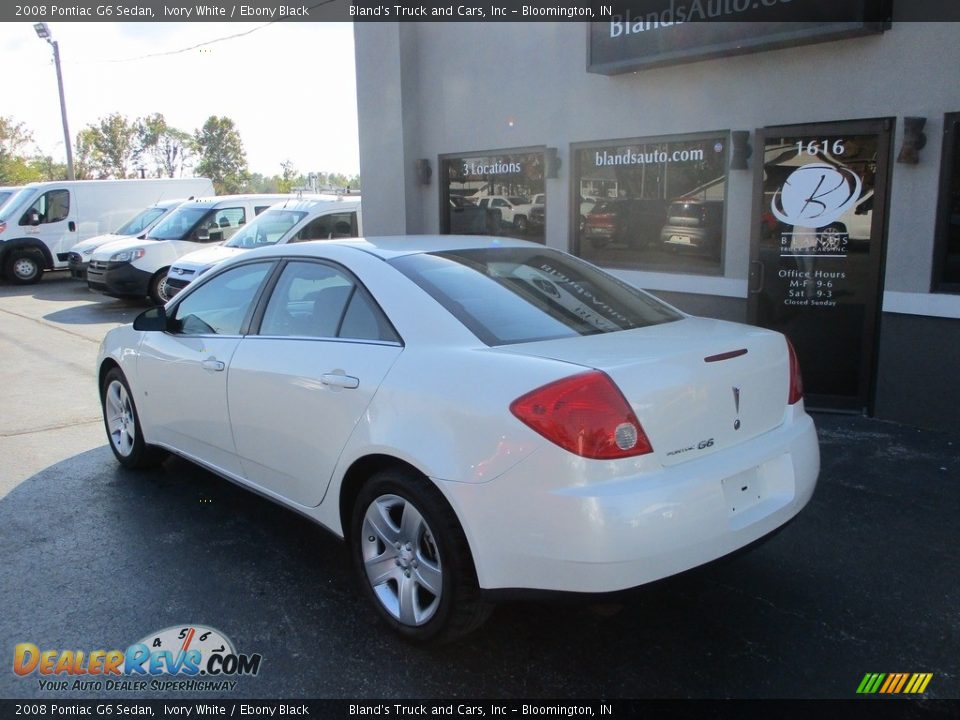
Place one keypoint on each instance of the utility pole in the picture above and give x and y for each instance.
(43, 32)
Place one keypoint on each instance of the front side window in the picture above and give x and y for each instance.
(946, 266)
(220, 306)
(332, 225)
(315, 300)
(222, 224)
(53, 206)
(496, 194)
(514, 295)
(651, 204)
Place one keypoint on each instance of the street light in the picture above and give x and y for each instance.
(43, 32)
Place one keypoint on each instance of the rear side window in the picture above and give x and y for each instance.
(315, 300)
(514, 295)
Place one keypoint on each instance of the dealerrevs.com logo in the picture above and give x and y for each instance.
(181, 657)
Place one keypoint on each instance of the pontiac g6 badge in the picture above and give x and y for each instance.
(736, 403)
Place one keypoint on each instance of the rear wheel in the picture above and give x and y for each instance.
(413, 560)
(122, 424)
(23, 266)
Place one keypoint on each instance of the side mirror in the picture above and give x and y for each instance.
(153, 320)
(32, 217)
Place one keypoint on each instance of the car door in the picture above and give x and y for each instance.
(299, 385)
(184, 372)
(51, 218)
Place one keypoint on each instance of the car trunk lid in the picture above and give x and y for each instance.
(696, 385)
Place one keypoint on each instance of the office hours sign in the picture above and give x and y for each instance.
(818, 248)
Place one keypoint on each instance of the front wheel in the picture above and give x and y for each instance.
(122, 423)
(23, 266)
(158, 288)
(413, 560)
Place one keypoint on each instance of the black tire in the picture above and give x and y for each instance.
(23, 266)
(122, 424)
(439, 549)
(157, 290)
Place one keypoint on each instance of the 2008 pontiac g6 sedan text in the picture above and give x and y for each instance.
(470, 414)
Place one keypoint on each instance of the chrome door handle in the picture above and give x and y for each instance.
(213, 364)
(341, 381)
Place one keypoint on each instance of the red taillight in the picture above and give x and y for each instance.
(585, 414)
(796, 381)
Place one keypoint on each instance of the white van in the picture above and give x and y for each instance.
(310, 217)
(43, 221)
(138, 226)
(138, 268)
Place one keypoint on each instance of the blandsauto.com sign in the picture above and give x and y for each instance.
(647, 33)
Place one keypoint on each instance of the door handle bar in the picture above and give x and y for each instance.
(341, 381)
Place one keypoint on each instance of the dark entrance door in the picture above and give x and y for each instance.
(816, 271)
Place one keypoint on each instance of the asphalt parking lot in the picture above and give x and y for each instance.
(95, 557)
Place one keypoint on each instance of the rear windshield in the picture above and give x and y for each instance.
(141, 222)
(267, 229)
(515, 295)
(687, 210)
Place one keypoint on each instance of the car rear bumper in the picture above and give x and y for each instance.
(530, 529)
(681, 237)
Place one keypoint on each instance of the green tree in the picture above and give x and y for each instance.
(15, 168)
(84, 165)
(114, 150)
(168, 147)
(222, 158)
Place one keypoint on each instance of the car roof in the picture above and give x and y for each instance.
(389, 247)
(308, 203)
(218, 200)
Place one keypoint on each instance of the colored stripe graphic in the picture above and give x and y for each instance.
(894, 683)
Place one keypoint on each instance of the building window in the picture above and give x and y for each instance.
(946, 265)
(497, 193)
(651, 203)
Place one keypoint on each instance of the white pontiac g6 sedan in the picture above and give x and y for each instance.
(471, 414)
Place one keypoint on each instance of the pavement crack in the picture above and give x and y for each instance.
(48, 428)
(47, 323)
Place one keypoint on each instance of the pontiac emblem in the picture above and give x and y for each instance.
(736, 403)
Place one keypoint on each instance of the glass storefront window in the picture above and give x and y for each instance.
(651, 203)
(501, 193)
(946, 266)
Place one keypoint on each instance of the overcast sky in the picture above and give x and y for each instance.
(288, 87)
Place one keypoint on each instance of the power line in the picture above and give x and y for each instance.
(215, 40)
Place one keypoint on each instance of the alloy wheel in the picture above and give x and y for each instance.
(401, 560)
(121, 422)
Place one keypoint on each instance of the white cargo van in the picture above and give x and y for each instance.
(43, 221)
(138, 268)
(310, 217)
(138, 226)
